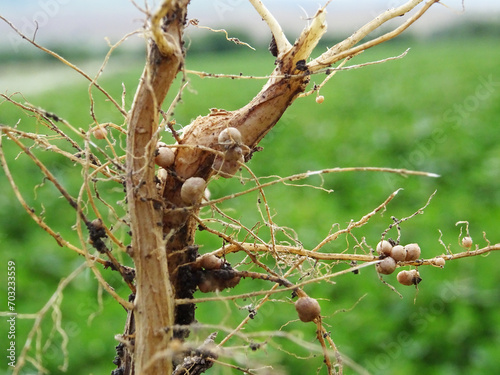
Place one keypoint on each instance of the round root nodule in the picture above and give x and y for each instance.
(307, 308)
(439, 262)
(412, 252)
(212, 281)
(211, 262)
(467, 242)
(162, 174)
(97, 223)
(386, 266)
(398, 253)
(99, 132)
(411, 277)
(384, 247)
(165, 157)
(229, 136)
(192, 190)
(228, 165)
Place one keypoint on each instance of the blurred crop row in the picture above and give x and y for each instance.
(436, 110)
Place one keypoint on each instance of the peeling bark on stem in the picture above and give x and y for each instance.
(153, 305)
(257, 118)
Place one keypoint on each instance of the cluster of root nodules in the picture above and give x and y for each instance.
(392, 253)
(214, 274)
(271, 270)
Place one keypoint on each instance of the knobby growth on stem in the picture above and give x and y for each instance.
(167, 201)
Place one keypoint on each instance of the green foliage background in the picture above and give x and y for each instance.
(435, 110)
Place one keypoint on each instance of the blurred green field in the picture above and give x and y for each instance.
(436, 110)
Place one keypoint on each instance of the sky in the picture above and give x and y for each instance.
(84, 21)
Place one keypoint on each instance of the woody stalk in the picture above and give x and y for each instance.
(162, 223)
